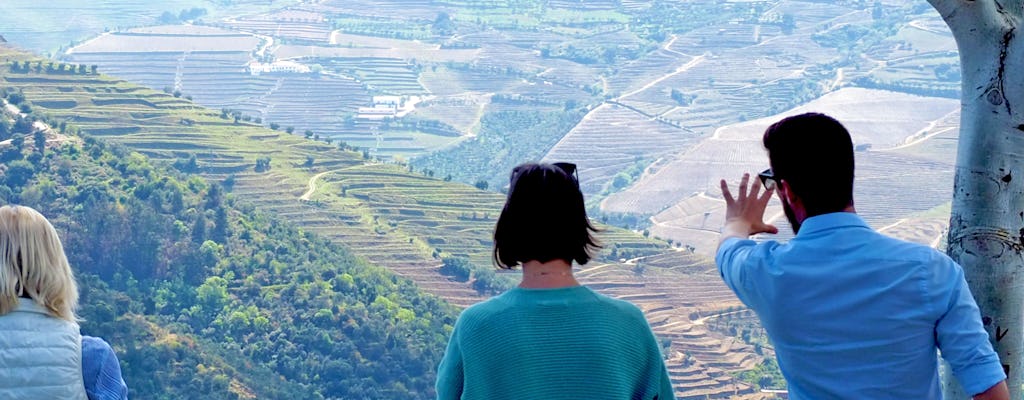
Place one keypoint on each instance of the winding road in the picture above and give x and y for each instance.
(312, 186)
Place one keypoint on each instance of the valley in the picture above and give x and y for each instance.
(375, 125)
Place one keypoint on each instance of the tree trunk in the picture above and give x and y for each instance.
(986, 228)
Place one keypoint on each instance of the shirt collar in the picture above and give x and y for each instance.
(828, 221)
(29, 305)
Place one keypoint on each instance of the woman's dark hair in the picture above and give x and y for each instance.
(814, 153)
(544, 218)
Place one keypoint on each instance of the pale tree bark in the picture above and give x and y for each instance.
(986, 232)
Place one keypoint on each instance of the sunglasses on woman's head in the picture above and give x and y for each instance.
(568, 168)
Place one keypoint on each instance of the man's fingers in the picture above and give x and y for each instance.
(762, 227)
(767, 194)
(726, 194)
(755, 189)
(743, 186)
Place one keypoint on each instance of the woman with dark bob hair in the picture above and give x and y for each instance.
(550, 337)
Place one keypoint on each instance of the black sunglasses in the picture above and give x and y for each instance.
(768, 177)
(568, 168)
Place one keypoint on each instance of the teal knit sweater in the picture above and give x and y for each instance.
(565, 343)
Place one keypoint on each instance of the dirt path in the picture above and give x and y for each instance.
(839, 80)
(702, 320)
(923, 134)
(918, 24)
(682, 68)
(312, 186)
(892, 225)
(938, 240)
(668, 47)
(52, 136)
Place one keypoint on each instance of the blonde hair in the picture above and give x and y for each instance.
(32, 263)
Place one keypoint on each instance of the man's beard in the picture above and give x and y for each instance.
(791, 216)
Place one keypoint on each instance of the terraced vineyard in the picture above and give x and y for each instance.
(681, 194)
(45, 26)
(678, 292)
(393, 218)
(385, 75)
(611, 138)
(670, 109)
(297, 24)
(209, 65)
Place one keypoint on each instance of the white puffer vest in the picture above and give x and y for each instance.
(40, 356)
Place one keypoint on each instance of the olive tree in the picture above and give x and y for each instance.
(986, 232)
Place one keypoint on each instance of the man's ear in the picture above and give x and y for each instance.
(786, 192)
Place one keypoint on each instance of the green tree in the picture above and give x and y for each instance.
(199, 228)
(213, 294)
(18, 173)
(456, 267)
(39, 139)
(220, 225)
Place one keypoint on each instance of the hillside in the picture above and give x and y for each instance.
(407, 222)
(507, 81)
(45, 27)
(204, 297)
(400, 99)
(897, 165)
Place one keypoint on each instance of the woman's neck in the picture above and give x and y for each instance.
(548, 275)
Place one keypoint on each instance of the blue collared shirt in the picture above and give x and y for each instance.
(857, 315)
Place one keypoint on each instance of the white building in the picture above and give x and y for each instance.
(290, 67)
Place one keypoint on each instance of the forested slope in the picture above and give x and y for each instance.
(203, 297)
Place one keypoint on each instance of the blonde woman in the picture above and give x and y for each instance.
(42, 353)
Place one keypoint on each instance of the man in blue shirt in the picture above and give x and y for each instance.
(852, 314)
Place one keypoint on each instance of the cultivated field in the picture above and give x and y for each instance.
(679, 192)
(169, 39)
(297, 24)
(612, 138)
(44, 26)
(208, 64)
(402, 50)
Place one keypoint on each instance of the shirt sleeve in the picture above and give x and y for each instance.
(960, 334)
(101, 371)
(449, 372)
(733, 258)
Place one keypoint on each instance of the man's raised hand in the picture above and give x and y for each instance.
(744, 214)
